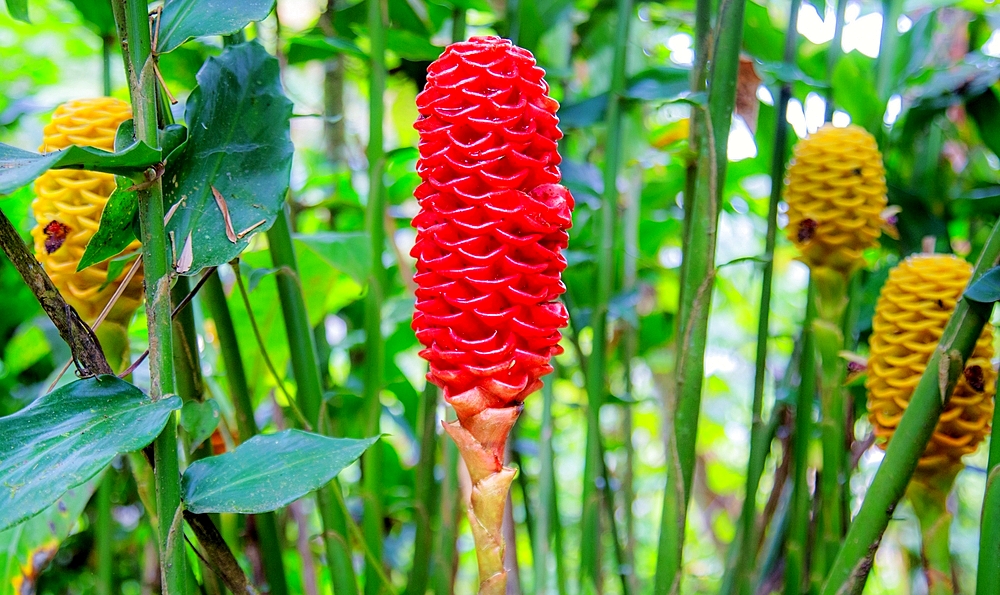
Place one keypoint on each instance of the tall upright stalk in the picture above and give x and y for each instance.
(131, 17)
(947, 362)
(697, 280)
(747, 558)
(371, 461)
(630, 348)
(590, 555)
(988, 572)
(546, 485)
(425, 492)
(833, 55)
(798, 539)
(309, 394)
(214, 298)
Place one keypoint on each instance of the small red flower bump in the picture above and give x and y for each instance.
(491, 228)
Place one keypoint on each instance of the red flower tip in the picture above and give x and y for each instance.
(491, 227)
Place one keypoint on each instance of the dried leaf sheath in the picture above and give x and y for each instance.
(490, 232)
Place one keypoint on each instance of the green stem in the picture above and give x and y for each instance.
(698, 277)
(795, 564)
(309, 392)
(630, 348)
(590, 556)
(104, 535)
(988, 573)
(850, 570)
(540, 554)
(107, 44)
(446, 558)
(458, 25)
(831, 302)
(891, 11)
(425, 493)
(133, 28)
(929, 497)
(747, 558)
(833, 55)
(214, 298)
(371, 461)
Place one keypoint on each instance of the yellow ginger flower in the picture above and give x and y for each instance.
(912, 310)
(836, 195)
(68, 208)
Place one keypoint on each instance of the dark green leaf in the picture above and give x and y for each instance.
(348, 252)
(199, 420)
(655, 84)
(238, 144)
(986, 289)
(27, 548)
(67, 436)
(115, 232)
(97, 13)
(252, 276)
(116, 266)
(184, 19)
(985, 110)
(20, 168)
(310, 47)
(411, 46)
(267, 472)
(18, 9)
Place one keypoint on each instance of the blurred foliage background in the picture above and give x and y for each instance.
(934, 109)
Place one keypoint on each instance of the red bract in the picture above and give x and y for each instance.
(492, 224)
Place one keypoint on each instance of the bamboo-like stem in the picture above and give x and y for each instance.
(103, 535)
(425, 492)
(831, 302)
(132, 19)
(891, 11)
(697, 280)
(850, 570)
(988, 572)
(107, 44)
(929, 496)
(214, 298)
(446, 554)
(630, 348)
(833, 55)
(795, 557)
(596, 371)
(543, 525)
(747, 558)
(309, 393)
(371, 461)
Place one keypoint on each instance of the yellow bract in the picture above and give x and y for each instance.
(68, 208)
(912, 310)
(836, 194)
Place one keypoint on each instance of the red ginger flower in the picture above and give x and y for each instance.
(492, 224)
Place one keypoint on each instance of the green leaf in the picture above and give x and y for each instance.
(311, 47)
(184, 19)
(411, 46)
(267, 472)
(19, 10)
(19, 168)
(199, 420)
(97, 13)
(348, 252)
(67, 436)
(115, 232)
(986, 289)
(26, 549)
(239, 144)
(117, 265)
(985, 110)
(655, 84)
(854, 90)
(25, 348)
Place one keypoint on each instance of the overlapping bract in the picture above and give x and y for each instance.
(491, 227)
(836, 194)
(68, 206)
(912, 311)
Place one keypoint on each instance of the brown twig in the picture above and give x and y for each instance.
(216, 550)
(83, 344)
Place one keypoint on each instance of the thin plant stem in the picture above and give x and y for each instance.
(214, 298)
(132, 19)
(107, 45)
(833, 55)
(747, 558)
(446, 553)
(988, 571)
(947, 362)
(697, 280)
(596, 370)
(309, 394)
(929, 496)
(630, 348)
(104, 535)
(546, 485)
(798, 529)
(425, 492)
